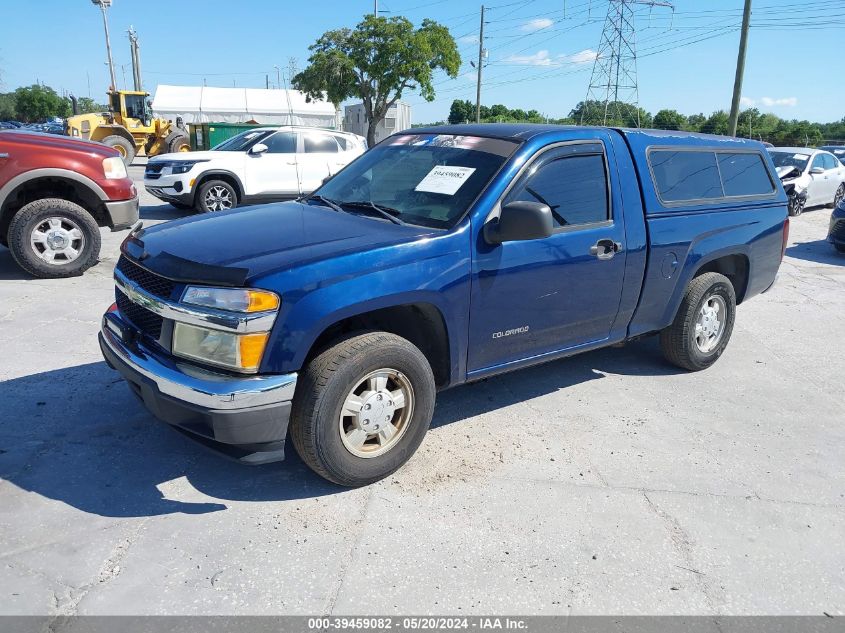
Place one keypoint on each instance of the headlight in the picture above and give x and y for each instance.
(114, 167)
(240, 352)
(182, 168)
(231, 299)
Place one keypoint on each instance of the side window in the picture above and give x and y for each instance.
(682, 176)
(818, 161)
(341, 141)
(319, 144)
(281, 143)
(744, 174)
(574, 187)
(830, 162)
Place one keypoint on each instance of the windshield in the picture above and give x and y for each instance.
(790, 159)
(425, 179)
(242, 141)
(135, 106)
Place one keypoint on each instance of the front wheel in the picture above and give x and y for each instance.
(795, 205)
(704, 323)
(362, 408)
(53, 238)
(216, 195)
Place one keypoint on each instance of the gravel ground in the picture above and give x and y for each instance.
(609, 483)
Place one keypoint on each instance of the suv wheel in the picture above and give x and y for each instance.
(703, 325)
(216, 195)
(53, 238)
(362, 408)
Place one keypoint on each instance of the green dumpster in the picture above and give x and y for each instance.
(207, 135)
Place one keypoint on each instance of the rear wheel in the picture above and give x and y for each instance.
(216, 195)
(840, 195)
(53, 238)
(362, 408)
(123, 147)
(704, 323)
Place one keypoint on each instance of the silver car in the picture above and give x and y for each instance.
(817, 171)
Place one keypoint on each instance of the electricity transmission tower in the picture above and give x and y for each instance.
(613, 94)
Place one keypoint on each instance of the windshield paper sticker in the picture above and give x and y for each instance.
(444, 179)
(800, 156)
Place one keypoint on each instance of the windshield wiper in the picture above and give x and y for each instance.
(385, 212)
(325, 201)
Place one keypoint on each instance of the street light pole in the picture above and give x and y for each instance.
(278, 78)
(103, 4)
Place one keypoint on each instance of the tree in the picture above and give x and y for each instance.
(7, 106)
(461, 111)
(669, 120)
(37, 103)
(695, 121)
(377, 62)
(717, 123)
(87, 104)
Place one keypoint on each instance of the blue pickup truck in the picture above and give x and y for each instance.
(441, 256)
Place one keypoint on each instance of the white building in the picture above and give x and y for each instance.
(205, 104)
(398, 118)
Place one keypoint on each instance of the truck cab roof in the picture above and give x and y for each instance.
(525, 131)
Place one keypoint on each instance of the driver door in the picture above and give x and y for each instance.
(536, 297)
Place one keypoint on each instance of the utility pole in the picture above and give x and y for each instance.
(135, 51)
(267, 82)
(103, 4)
(480, 65)
(278, 78)
(740, 68)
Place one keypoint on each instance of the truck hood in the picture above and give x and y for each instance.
(232, 247)
(59, 142)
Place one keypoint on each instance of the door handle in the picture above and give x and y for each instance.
(605, 249)
(291, 162)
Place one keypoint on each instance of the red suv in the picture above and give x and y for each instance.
(54, 194)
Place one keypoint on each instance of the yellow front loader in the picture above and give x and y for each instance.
(128, 126)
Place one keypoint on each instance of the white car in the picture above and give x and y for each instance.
(260, 165)
(817, 171)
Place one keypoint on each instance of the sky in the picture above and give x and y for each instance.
(540, 52)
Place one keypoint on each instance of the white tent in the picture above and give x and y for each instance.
(240, 105)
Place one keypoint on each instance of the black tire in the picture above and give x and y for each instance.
(840, 248)
(36, 213)
(323, 388)
(795, 205)
(678, 341)
(180, 205)
(201, 203)
(126, 149)
(838, 196)
(177, 142)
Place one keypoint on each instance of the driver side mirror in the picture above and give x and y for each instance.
(520, 221)
(817, 170)
(258, 149)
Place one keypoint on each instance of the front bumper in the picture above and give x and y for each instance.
(123, 214)
(244, 417)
